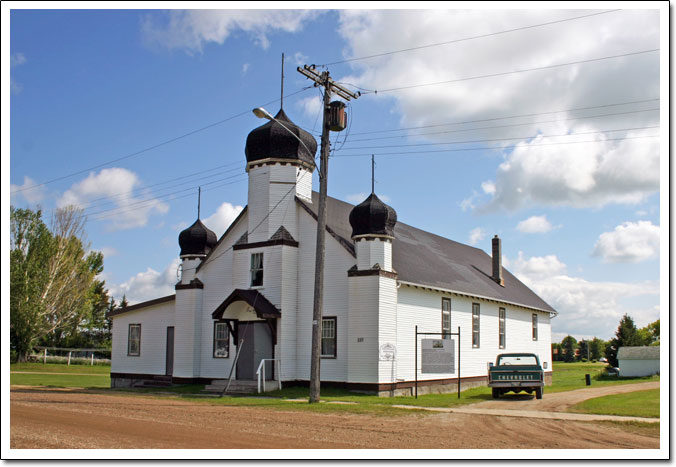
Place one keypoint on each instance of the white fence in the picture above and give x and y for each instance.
(71, 356)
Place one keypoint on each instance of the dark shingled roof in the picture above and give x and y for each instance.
(275, 141)
(423, 258)
(197, 239)
(263, 307)
(372, 217)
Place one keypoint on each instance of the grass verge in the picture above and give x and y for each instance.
(571, 376)
(631, 404)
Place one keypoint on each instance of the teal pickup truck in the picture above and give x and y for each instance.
(516, 372)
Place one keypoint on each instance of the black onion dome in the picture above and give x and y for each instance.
(196, 239)
(274, 141)
(373, 217)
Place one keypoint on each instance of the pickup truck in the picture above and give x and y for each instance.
(516, 372)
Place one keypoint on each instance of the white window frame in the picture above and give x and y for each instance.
(476, 325)
(444, 314)
(502, 327)
(534, 322)
(217, 325)
(255, 270)
(334, 338)
(130, 340)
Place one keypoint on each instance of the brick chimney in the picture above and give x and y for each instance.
(497, 261)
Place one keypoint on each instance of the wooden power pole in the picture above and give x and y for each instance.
(321, 79)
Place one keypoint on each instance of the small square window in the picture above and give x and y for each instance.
(256, 269)
(134, 340)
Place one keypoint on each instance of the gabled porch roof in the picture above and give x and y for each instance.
(264, 309)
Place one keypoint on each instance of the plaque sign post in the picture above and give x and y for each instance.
(438, 355)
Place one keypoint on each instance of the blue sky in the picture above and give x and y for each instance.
(577, 205)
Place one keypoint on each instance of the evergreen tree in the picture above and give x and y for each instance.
(626, 336)
(569, 344)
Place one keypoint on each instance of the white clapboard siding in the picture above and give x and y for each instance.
(375, 251)
(154, 321)
(423, 308)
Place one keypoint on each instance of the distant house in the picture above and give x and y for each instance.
(639, 361)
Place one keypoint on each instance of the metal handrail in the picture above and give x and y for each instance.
(262, 365)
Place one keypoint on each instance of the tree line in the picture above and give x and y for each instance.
(57, 298)
(627, 335)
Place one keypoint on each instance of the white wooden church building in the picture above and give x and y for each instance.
(254, 287)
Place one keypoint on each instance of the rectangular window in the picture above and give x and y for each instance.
(256, 269)
(535, 326)
(329, 338)
(501, 325)
(446, 316)
(475, 325)
(134, 340)
(221, 340)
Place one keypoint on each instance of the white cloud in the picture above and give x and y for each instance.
(245, 67)
(147, 285)
(580, 175)
(469, 203)
(191, 30)
(586, 308)
(488, 187)
(476, 235)
(630, 242)
(535, 224)
(222, 218)
(15, 60)
(31, 195)
(117, 185)
(108, 251)
(311, 106)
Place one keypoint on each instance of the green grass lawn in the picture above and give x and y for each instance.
(80, 376)
(570, 376)
(632, 404)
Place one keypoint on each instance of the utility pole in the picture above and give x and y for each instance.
(324, 80)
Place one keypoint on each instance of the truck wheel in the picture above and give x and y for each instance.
(538, 393)
(496, 393)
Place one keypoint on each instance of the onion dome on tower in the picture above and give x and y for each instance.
(274, 140)
(197, 240)
(373, 217)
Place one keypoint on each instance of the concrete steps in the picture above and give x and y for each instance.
(239, 386)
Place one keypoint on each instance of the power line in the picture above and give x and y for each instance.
(156, 198)
(150, 148)
(524, 70)
(506, 117)
(506, 139)
(505, 126)
(469, 38)
(494, 147)
(121, 210)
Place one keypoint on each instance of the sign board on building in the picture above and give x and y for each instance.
(438, 356)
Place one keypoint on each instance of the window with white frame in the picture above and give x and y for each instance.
(535, 326)
(446, 316)
(221, 339)
(256, 269)
(329, 337)
(475, 325)
(501, 327)
(134, 340)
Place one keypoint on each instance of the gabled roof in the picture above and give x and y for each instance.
(639, 353)
(262, 306)
(138, 306)
(427, 259)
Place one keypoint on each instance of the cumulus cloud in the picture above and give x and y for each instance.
(15, 60)
(31, 195)
(476, 235)
(311, 106)
(222, 218)
(147, 285)
(118, 186)
(630, 242)
(586, 308)
(535, 224)
(605, 171)
(191, 30)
